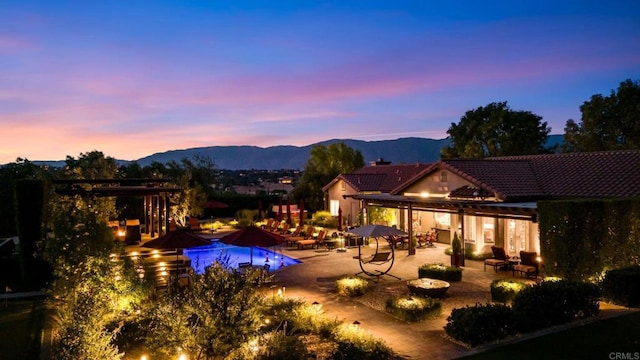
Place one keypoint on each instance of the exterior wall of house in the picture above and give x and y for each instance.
(439, 183)
(349, 206)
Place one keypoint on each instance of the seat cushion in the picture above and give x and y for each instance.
(525, 268)
(495, 262)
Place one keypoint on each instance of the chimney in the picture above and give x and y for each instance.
(379, 161)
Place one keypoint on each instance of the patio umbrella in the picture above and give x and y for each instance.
(376, 231)
(175, 240)
(279, 216)
(252, 236)
(301, 213)
(260, 213)
(339, 219)
(213, 204)
(288, 212)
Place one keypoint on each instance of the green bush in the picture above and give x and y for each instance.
(352, 286)
(554, 302)
(472, 255)
(478, 324)
(324, 219)
(440, 272)
(413, 308)
(448, 251)
(622, 286)
(355, 343)
(504, 290)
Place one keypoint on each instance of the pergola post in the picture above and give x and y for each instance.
(412, 247)
(461, 215)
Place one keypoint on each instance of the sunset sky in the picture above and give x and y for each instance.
(132, 78)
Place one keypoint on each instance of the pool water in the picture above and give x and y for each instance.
(203, 256)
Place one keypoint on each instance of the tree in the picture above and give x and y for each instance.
(323, 165)
(608, 123)
(496, 130)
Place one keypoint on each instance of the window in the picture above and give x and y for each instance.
(443, 176)
(334, 205)
(488, 230)
(343, 185)
(442, 219)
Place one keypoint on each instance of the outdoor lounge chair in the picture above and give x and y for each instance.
(302, 235)
(499, 259)
(313, 242)
(294, 236)
(284, 229)
(194, 225)
(528, 265)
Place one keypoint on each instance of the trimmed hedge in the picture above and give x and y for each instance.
(413, 308)
(504, 290)
(554, 302)
(478, 324)
(580, 239)
(440, 272)
(622, 286)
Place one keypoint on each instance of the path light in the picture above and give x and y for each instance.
(144, 357)
(182, 357)
(356, 324)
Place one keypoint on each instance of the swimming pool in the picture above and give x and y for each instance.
(204, 256)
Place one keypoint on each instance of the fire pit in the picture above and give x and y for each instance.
(428, 287)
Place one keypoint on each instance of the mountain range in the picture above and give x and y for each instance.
(399, 151)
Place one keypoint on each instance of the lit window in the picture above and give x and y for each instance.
(334, 205)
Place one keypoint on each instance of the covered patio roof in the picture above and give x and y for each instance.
(521, 210)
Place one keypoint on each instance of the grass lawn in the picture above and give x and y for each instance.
(21, 323)
(614, 338)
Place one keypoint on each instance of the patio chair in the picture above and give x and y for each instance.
(294, 236)
(315, 243)
(194, 225)
(528, 265)
(284, 229)
(499, 259)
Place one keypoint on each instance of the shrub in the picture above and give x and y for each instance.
(274, 345)
(554, 302)
(504, 290)
(622, 286)
(470, 254)
(413, 308)
(324, 219)
(448, 251)
(478, 324)
(355, 343)
(352, 286)
(440, 272)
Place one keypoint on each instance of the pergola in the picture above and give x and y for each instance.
(156, 196)
(518, 211)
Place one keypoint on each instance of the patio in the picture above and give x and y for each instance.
(314, 280)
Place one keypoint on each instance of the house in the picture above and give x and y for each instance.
(379, 178)
(490, 201)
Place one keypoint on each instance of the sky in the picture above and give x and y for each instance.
(132, 78)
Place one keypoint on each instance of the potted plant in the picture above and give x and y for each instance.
(456, 251)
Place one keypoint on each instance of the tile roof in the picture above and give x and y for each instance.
(582, 175)
(383, 178)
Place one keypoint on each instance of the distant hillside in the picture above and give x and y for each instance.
(406, 150)
(399, 151)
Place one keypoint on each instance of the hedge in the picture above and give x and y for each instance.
(554, 302)
(478, 324)
(579, 239)
(622, 286)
